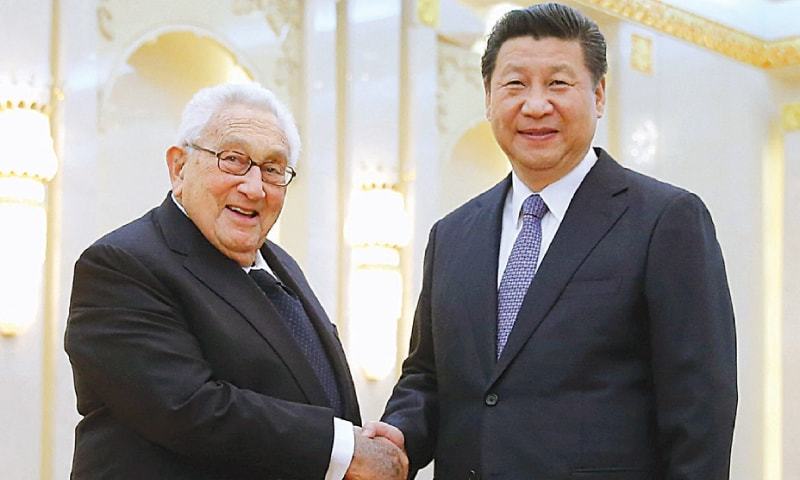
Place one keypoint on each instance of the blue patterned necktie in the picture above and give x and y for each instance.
(303, 332)
(520, 268)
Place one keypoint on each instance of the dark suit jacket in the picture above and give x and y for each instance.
(184, 370)
(621, 364)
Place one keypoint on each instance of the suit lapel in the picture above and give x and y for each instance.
(475, 265)
(595, 208)
(322, 324)
(227, 279)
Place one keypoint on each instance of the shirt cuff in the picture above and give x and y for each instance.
(343, 447)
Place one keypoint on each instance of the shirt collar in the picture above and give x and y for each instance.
(558, 195)
(259, 264)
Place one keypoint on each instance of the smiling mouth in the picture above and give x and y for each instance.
(242, 211)
(538, 132)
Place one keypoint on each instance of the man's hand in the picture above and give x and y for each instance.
(390, 432)
(376, 458)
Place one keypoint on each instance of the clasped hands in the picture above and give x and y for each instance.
(379, 453)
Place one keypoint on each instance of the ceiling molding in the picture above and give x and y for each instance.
(732, 43)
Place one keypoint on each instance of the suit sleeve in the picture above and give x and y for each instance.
(693, 343)
(413, 406)
(132, 348)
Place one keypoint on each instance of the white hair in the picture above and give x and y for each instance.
(208, 101)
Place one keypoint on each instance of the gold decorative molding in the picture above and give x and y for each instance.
(703, 32)
(790, 117)
(459, 89)
(642, 54)
(23, 104)
(428, 12)
(285, 20)
(104, 18)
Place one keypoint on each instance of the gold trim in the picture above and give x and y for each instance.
(774, 199)
(703, 32)
(21, 201)
(405, 163)
(428, 12)
(642, 54)
(104, 19)
(9, 104)
(14, 174)
(342, 169)
(790, 117)
(50, 313)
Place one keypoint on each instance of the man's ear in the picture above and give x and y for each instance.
(487, 101)
(176, 161)
(600, 97)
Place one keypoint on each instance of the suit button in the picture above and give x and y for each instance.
(473, 475)
(491, 399)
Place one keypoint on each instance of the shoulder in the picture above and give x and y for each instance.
(662, 196)
(487, 202)
(646, 193)
(140, 239)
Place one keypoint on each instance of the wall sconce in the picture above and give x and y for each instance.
(27, 163)
(644, 144)
(376, 228)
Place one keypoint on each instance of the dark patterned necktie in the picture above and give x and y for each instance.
(520, 268)
(303, 332)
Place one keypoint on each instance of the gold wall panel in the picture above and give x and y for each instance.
(428, 12)
(790, 117)
(642, 54)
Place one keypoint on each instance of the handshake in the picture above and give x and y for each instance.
(379, 453)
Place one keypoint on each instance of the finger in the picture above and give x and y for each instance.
(390, 432)
(368, 430)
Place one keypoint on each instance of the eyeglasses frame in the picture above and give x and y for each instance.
(290, 170)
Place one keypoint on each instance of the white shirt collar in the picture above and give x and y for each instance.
(259, 264)
(558, 195)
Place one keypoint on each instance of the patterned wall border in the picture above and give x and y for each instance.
(703, 32)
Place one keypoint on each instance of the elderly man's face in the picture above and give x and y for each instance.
(543, 106)
(233, 212)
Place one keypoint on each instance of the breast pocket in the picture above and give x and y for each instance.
(580, 288)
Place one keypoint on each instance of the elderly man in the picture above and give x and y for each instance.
(574, 320)
(198, 349)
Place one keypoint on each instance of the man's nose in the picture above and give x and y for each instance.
(252, 185)
(537, 104)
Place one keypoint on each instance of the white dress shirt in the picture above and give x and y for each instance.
(557, 196)
(343, 435)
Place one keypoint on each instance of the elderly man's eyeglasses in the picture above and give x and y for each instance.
(238, 163)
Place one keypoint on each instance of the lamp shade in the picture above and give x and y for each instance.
(27, 162)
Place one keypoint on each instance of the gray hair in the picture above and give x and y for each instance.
(208, 101)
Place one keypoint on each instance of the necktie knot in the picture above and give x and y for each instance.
(535, 206)
(267, 282)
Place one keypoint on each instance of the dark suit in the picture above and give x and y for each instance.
(184, 370)
(621, 364)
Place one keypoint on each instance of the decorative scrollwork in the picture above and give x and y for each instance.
(104, 19)
(459, 95)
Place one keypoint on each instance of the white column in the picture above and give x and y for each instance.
(791, 301)
(371, 151)
(27, 164)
